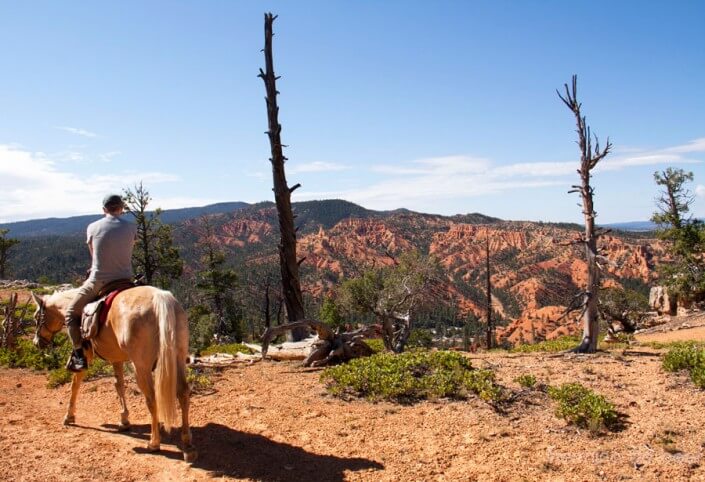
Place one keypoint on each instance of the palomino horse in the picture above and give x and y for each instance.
(148, 327)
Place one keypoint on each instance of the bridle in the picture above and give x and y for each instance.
(41, 321)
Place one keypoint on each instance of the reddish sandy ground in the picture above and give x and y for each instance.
(275, 422)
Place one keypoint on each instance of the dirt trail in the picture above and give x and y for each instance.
(274, 422)
(677, 335)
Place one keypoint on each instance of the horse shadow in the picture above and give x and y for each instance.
(223, 451)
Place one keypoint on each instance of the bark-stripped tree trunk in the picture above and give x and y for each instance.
(490, 326)
(331, 347)
(282, 192)
(11, 324)
(588, 160)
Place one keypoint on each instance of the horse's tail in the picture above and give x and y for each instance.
(166, 371)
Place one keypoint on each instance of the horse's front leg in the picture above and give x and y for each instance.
(70, 417)
(118, 368)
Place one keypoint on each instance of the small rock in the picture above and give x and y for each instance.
(19, 385)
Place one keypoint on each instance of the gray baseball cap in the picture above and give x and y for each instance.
(113, 201)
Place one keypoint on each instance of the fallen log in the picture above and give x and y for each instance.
(330, 347)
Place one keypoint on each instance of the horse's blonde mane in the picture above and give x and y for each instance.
(61, 299)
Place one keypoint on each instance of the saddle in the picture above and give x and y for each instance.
(96, 313)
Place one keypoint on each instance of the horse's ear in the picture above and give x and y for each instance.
(39, 300)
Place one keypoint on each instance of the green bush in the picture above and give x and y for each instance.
(230, 348)
(198, 380)
(26, 355)
(526, 380)
(559, 344)
(683, 356)
(96, 369)
(376, 344)
(419, 338)
(689, 356)
(583, 407)
(697, 374)
(410, 376)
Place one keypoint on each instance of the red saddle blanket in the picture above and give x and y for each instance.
(95, 314)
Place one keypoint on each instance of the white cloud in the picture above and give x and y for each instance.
(33, 186)
(696, 145)
(316, 166)
(108, 156)
(427, 181)
(700, 190)
(668, 155)
(78, 131)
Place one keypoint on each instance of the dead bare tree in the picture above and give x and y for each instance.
(588, 160)
(490, 326)
(291, 285)
(12, 324)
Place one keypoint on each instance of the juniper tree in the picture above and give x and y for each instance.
(393, 294)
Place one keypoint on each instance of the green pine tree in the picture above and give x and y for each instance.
(5, 245)
(155, 255)
(684, 274)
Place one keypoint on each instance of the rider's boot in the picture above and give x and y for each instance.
(77, 361)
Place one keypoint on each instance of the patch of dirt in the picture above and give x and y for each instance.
(274, 422)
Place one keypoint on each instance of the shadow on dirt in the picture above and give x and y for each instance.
(223, 451)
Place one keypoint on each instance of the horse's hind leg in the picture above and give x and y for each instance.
(183, 393)
(70, 417)
(146, 384)
(118, 368)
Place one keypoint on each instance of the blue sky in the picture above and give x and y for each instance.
(442, 107)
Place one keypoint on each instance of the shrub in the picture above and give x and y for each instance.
(687, 356)
(559, 344)
(376, 344)
(526, 380)
(198, 380)
(26, 355)
(583, 407)
(410, 376)
(683, 356)
(230, 348)
(419, 338)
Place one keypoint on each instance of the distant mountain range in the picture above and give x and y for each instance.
(634, 226)
(535, 269)
(77, 224)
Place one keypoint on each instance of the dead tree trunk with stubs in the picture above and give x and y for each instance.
(490, 326)
(587, 301)
(282, 192)
(331, 347)
(11, 324)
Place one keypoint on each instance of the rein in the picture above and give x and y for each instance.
(41, 325)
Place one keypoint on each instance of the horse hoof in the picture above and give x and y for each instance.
(123, 427)
(190, 455)
(69, 420)
(152, 448)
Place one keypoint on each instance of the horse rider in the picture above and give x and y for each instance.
(110, 241)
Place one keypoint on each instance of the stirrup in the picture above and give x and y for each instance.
(77, 362)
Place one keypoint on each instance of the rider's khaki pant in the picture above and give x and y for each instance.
(86, 293)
